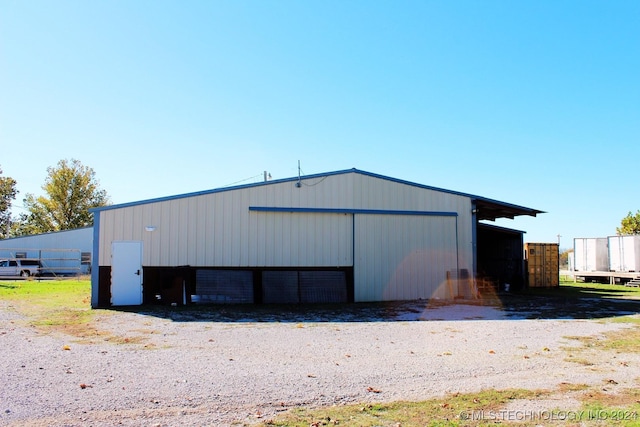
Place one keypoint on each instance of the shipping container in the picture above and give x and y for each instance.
(591, 254)
(542, 261)
(624, 253)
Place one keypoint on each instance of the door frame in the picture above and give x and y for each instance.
(126, 273)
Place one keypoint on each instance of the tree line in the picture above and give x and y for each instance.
(70, 190)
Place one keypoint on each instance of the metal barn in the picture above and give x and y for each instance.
(345, 236)
(60, 253)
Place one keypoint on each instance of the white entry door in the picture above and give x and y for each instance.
(126, 273)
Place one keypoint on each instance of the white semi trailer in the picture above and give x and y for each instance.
(624, 253)
(591, 254)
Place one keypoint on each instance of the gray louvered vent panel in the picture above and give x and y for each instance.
(323, 287)
(224, 286)
(280, 287)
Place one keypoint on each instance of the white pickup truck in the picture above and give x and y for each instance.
(19, 267)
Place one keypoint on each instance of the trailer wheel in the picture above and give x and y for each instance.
(24, 273)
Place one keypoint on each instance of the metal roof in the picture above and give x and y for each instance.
(491, 210)
(493, 227)
(486, 209)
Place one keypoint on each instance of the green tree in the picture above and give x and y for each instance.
(71, 190)
(7, 196)
(22, 227)
(564, 258)
(630, 224)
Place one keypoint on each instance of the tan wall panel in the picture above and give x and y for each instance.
(302, 239)
(217, 229)
(403, 257)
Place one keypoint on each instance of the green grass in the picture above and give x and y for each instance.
(37, 295)
(627, 319)
(571, 289)
(452, 410)
(612, 409)
(620, 341)
(485, 408)
(62, 305)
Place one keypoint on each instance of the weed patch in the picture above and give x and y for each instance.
(452, 410)
(61, 306)
(626, 340)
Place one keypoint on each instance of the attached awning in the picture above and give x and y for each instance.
(487, 209)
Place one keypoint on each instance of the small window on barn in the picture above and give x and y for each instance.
(85, 258)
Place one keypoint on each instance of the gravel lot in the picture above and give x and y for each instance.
(177, 367)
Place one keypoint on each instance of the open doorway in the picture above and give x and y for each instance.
(500, 257)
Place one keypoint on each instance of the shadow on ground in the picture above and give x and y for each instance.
(572, 304)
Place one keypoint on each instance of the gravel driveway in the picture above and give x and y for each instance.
(177, 367)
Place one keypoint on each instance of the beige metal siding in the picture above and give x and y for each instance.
(441, 238)
(217, 229)
(376, 193)
(403, 257)
(302, 239)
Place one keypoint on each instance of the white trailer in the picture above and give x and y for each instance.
(624, 253)
(571, 261)
(591, 254)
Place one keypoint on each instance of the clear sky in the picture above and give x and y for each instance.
(531, 102)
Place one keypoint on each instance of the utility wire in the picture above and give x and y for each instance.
(243, 180)
(315, 183)
(311, 185)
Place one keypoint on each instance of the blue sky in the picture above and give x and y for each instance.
(535, 103)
